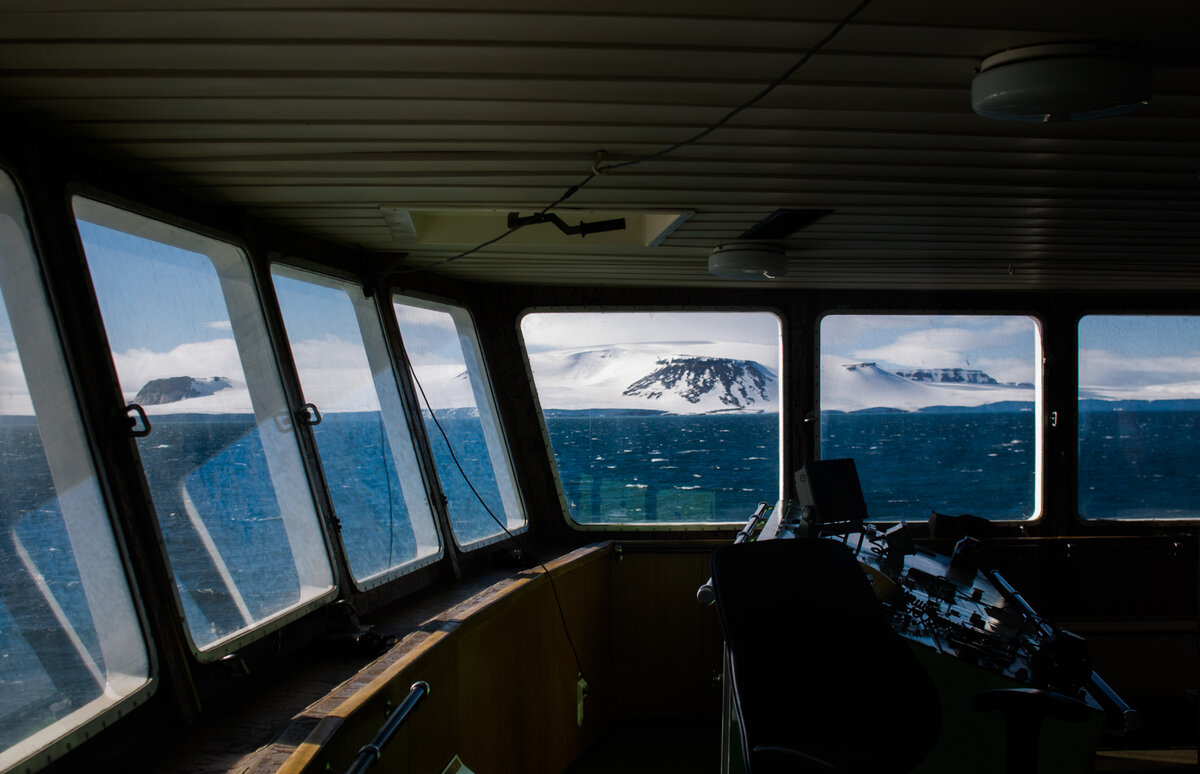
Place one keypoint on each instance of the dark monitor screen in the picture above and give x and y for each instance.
(832, 490)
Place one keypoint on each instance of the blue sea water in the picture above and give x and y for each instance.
(910, 464)
(1139, 464)
(219, 465)
(376, 526)
(666, 468)
(642, 469)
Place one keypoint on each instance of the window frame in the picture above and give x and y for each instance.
(1042, 439)
(659, 527)
(51, 747)
(484, 387)
(183, 234)
(326, 280)
(1110, 523)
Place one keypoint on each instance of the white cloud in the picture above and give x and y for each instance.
(200, 359)
(12, 377)
(582, 330)
(336, 376)
(444, 386)
(329, 353)
(1099, 369)
(430, 335)
(942, 348)
(985, 349)
(865, 387)
(838, 331)
(15, 403)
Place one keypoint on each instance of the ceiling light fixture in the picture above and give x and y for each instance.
(1060, 82)
(748, 261)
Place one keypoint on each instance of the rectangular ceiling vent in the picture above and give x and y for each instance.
(782, 223)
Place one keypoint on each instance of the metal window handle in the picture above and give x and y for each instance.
(309, 414)
(132, 421)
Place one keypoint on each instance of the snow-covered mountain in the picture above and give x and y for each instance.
(863, 386)
(947, 376)
(176, 388)
(678, 378)
(734, 384)
(691, 378)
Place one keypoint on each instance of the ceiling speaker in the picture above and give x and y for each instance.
(1060, 82)
(748, 261)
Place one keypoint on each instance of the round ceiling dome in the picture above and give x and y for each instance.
(748, 261)
(1060, 82)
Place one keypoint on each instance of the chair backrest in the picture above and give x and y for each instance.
(817, 668)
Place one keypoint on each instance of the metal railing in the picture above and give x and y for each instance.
(369, 753)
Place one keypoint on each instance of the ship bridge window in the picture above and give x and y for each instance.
(939, 413)
(1139, 416)
(72, 651)
(473, 463)
(367, 453)
(221, 460)
(660, 418)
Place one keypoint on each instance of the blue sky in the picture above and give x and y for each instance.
(1005, 347)
(1121, 356)
(319, 313)
(544, 331)
(174, 295)
(430, 336)
(1134, 351)
(1137, 336)
(165, 315)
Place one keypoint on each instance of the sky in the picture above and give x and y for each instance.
(153, 297)
(589, 359)
(165, 315)
(1151, 356)
(544, 331)
(1004, 347)
(1120, 356)
(14, 394)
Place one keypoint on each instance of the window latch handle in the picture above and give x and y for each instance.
(309, 414)
(137, 421)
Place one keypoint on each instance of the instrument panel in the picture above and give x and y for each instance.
(958, 609)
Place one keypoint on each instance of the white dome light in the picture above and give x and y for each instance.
(748, 261)
(1060, 82)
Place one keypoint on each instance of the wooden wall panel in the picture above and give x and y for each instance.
(502, 678)
(503, 673)
(666, 646)
(432, 732)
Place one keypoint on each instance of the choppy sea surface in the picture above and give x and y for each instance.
(643, 469)
(665, 468)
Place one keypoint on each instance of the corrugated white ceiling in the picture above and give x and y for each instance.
(316, 118)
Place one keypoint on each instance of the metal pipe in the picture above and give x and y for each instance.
(1014, 598)
(705, 595)
(369, 753)
(1114, 706)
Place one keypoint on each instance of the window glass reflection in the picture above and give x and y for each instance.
(366, 451)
